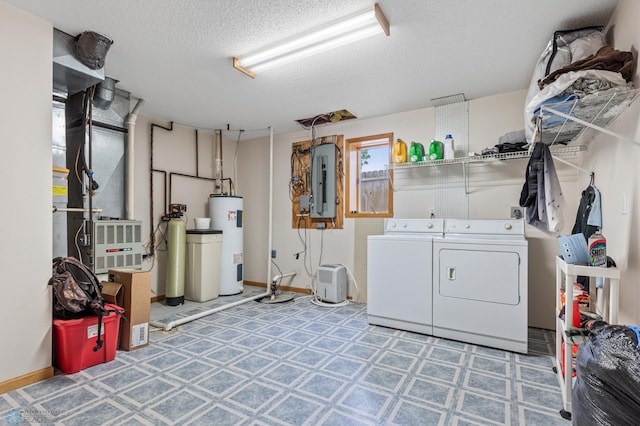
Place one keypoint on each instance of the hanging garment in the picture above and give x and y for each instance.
(588, 221)
(595, 215)
(589, 215)
(541, 193)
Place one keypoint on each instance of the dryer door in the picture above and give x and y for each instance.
(480, 275)
(480, 294)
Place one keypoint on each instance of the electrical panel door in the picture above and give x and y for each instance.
(323, 181)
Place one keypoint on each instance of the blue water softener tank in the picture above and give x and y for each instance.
(226, 215)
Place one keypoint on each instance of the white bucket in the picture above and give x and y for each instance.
(202, 222)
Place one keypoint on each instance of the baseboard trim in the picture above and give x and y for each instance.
(27, 379)
(280, 287)
(158, 298)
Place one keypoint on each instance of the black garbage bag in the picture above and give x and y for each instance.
(607, 387)
(91, 49)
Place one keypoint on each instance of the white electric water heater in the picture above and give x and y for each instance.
(227, 216)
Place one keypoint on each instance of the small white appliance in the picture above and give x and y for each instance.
(332, 283)
(480, 287)
(399, 274)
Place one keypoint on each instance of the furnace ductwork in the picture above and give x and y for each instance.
(69, 74)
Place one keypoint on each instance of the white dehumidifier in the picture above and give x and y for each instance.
(332, 283)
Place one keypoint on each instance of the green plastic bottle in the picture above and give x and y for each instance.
(416, 152)
(436, 150)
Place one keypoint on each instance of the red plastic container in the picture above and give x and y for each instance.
(74, 341)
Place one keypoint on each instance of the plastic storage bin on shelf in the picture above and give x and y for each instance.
(74, 341)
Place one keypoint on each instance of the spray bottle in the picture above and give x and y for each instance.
(598, 254)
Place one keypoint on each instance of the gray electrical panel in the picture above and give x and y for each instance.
(323, 181)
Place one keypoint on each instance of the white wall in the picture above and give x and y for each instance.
(25, 117)
(494, 187)
(615, 163)
(174, 152)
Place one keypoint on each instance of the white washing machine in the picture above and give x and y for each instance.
(480, 283)
(399, 274)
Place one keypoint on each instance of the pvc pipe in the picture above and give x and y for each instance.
(270, 225)
(288, 274)
(131, 125)
(193, 317)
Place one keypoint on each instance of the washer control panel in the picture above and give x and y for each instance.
(415, 226)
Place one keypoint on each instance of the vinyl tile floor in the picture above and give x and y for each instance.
(297, 363)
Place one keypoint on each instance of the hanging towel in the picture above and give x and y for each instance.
(553, 194)
(541, 193)
(595, 215)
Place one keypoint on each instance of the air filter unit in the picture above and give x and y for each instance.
(332, 283)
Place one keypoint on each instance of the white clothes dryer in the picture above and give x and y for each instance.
(399, 274)
(480, 283)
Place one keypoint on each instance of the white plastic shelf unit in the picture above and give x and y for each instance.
(611, 286)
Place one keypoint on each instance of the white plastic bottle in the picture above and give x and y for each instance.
(449, 150)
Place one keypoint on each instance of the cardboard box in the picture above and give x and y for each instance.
(113, 293)
(136, 301)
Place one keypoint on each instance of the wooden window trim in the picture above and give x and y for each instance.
(357, 144)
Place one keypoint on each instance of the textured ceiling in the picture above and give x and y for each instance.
(177, 54)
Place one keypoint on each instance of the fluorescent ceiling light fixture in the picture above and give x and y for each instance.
(347, 30)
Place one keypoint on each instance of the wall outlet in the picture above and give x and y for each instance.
(516, 213)
(273, 254)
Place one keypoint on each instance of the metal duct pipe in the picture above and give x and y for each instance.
(131, 125)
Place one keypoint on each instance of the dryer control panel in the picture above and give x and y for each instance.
(500, 227)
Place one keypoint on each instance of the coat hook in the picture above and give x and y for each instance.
(593, 178)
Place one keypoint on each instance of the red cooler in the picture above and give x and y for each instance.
(74, 341)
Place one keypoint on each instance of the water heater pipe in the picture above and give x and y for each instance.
(131, 125)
